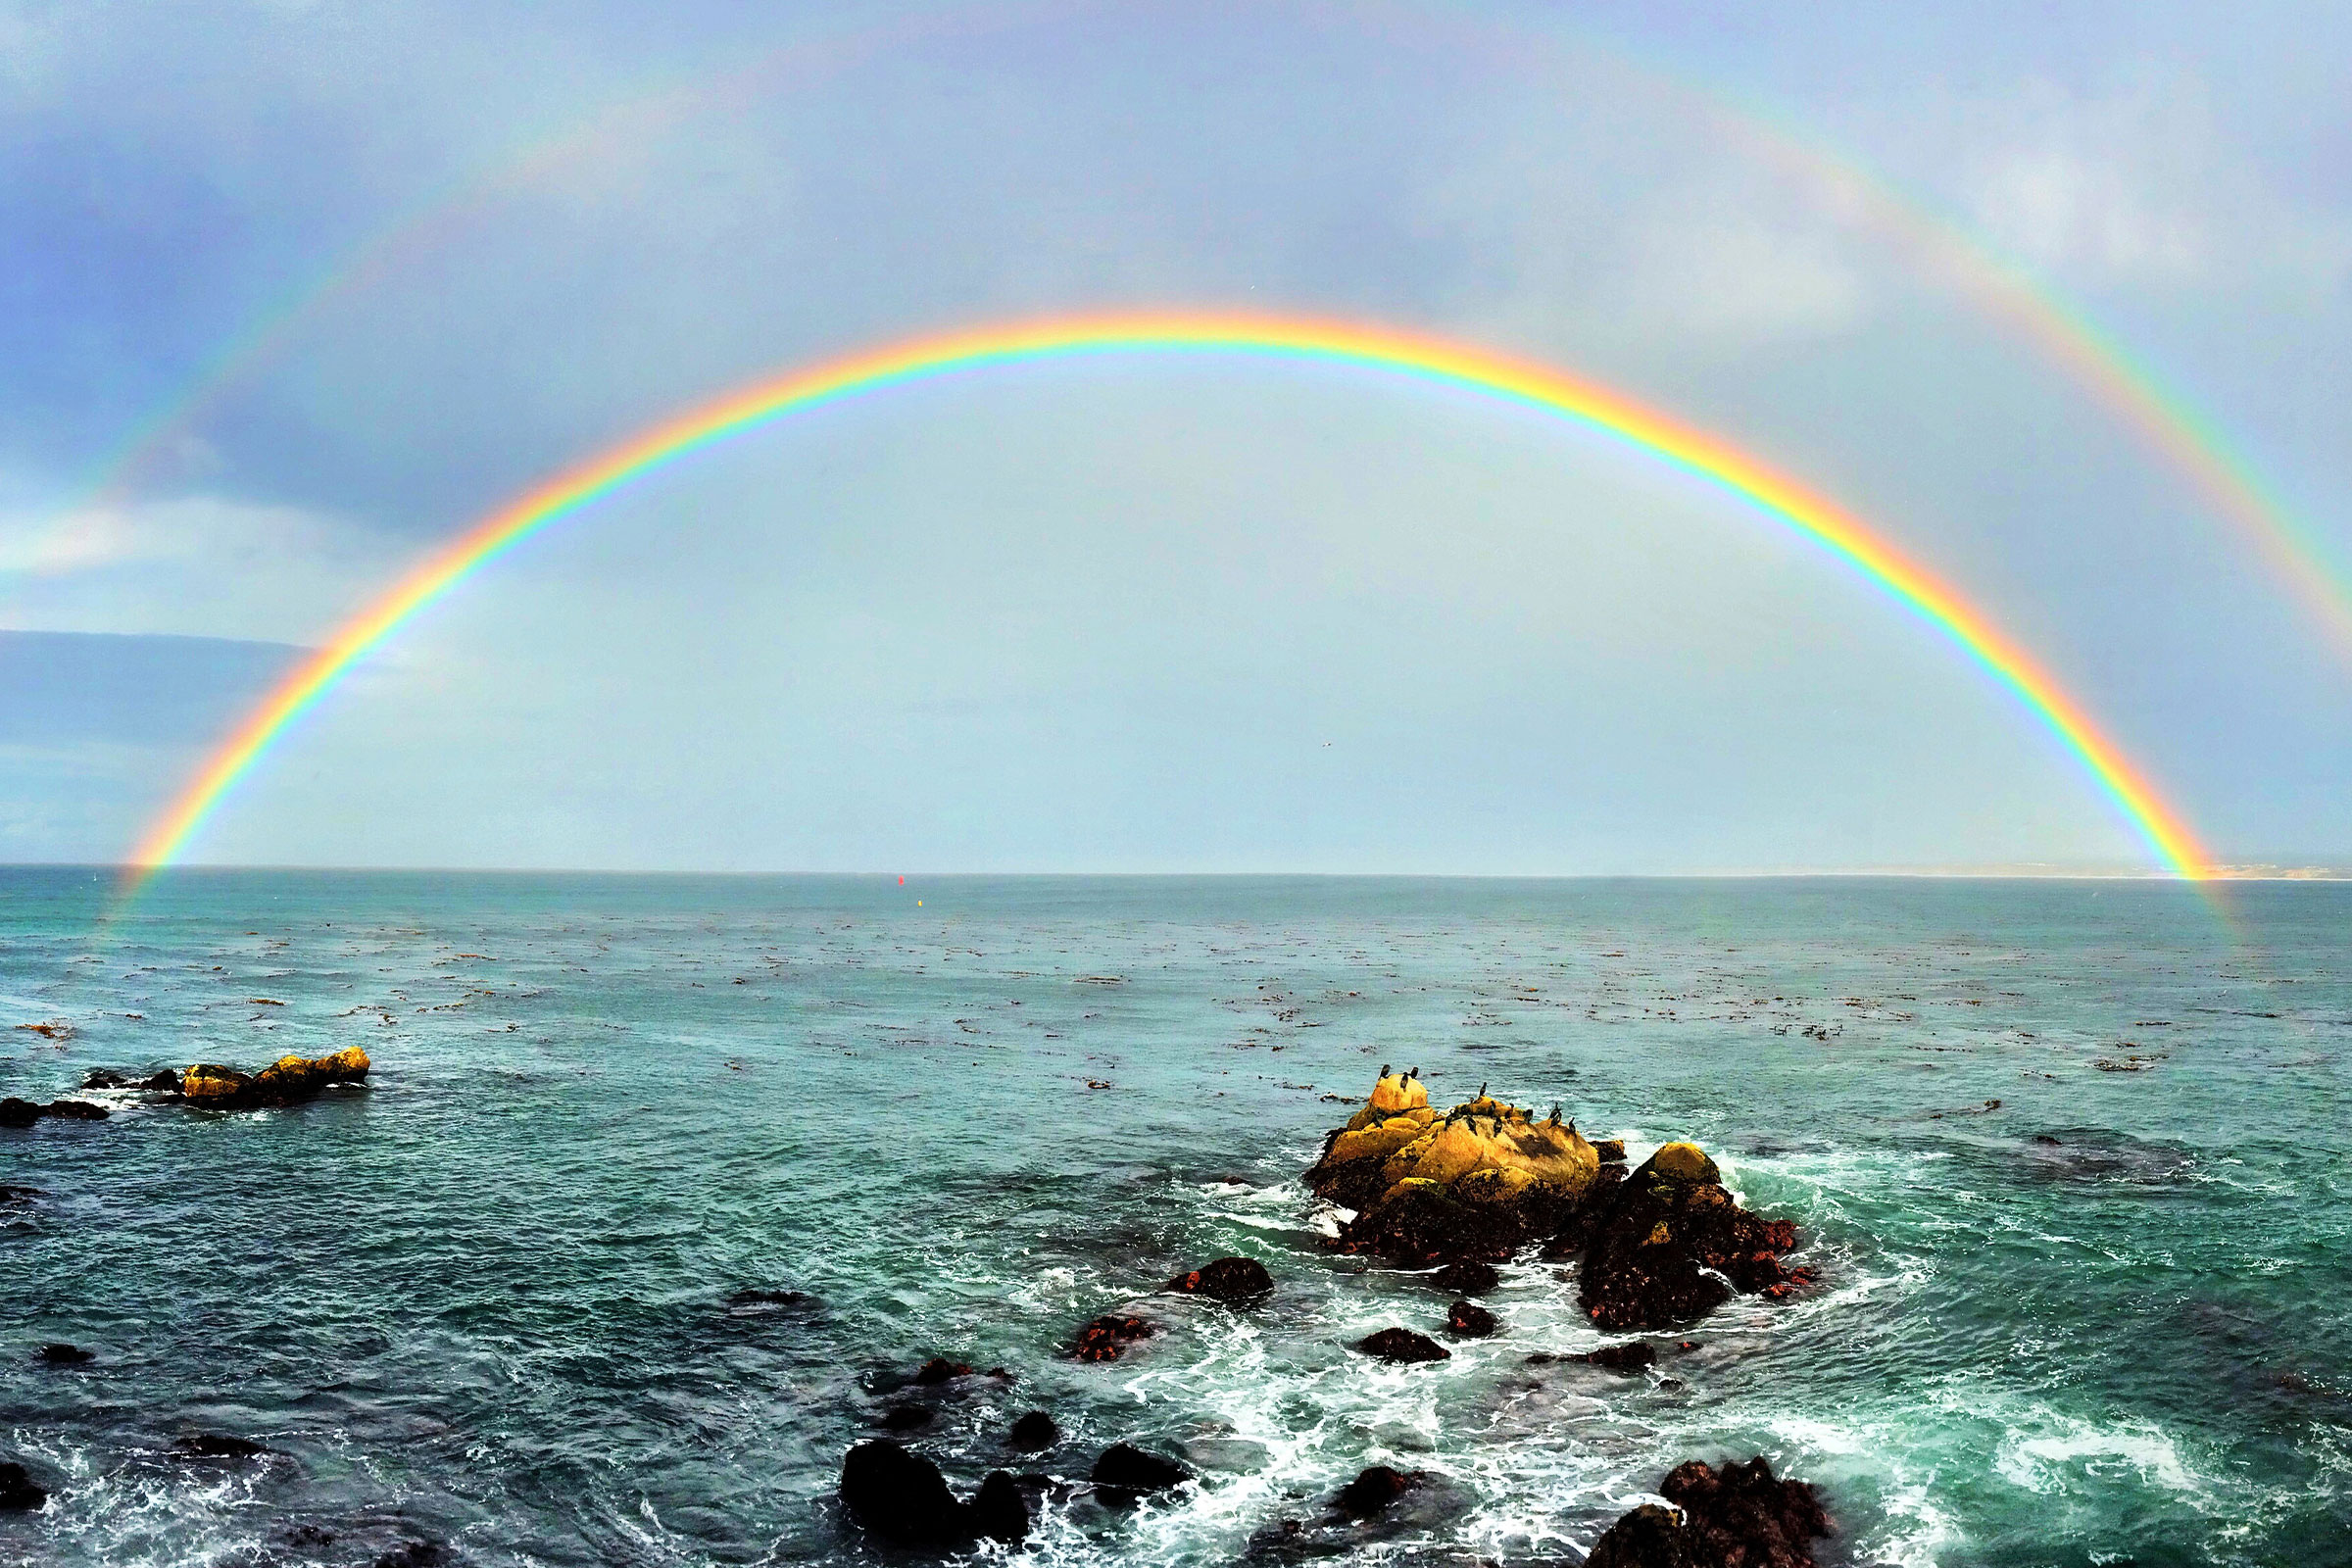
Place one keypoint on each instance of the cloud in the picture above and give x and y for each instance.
(202, 566)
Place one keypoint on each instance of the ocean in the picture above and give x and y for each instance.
(2069, 1157)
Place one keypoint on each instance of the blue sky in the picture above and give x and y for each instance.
(1156, 616)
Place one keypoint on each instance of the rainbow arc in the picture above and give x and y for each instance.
(1763, 493)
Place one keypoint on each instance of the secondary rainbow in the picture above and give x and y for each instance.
(1421, 357)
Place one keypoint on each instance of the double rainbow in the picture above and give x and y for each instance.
(1428, 360)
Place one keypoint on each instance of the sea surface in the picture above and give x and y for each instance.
(2074, 1161)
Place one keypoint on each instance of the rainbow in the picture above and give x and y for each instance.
(1429, 361)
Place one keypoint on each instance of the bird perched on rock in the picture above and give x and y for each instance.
(1384, 1069)
(1481, 1091)
(1556, 1115)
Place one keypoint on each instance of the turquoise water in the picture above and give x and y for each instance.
(484, 1304)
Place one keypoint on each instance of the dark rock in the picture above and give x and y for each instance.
(15, 1113)
(418, 1554)
(1469, 1320)
(901, 1497)
(1235, 1281)
(18, 1195)
(1125, 1472)
(1402, 1345)
(1631, 1356)
(1743, 1514)
(767, 1298)
(65, 1355)
(1576, 1228)
(999, 1510)
(1374, 1489)
(1107, 1337)
(18, 1494)
(906, 1418)
(107, 1078)
(213, 1446)
(1036, 1430)
(1611, 1150)
(76, 1111)
(1424, 1224)
(1669, 1240)
(1469, 1277)
(165, 1082)
(1650, 1537)
(939, 1369)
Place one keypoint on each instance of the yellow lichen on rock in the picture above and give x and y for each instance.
(1685, 1162)
(1397, 1093)
(209, 1080)
(283, 1082)
(1466, 1143)
(1382, 1139)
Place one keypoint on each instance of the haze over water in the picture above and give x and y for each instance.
(485, 1304)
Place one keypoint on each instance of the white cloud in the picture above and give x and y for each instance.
(196, 565)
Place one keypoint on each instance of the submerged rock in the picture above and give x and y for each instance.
(1402, 1346)
(1107, 1337)
(1125, 1472)
(1034, 1431)
(1740, 1516)
(939, 1369)
(1470, 1277)
(15, 1113)
(215, 1445)
(1374, 1489)
(1633, 1356)
(1470, 1321)
(1672, 1246)
(1235, 1281)
(756, 1298)
(1478, 1182)
(65, 1355)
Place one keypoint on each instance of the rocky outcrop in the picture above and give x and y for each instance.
(1125, 1473)
(1034, 1431)
(1475, 1184)
(1469, 1321)
(1374, 1489)
(901, 1497)
(164, 1082)
(999, 1510)
(1235, 1281)
(288, 1081)
(65, 1356)
(1739, 1516)
(1670, 1246)
(1107, 1337)
(1402, 1346)
(1470, 1277)
(1479, 1181)
(18, 1494)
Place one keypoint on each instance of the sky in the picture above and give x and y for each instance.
(291, 291)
